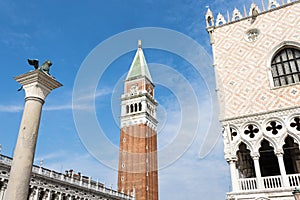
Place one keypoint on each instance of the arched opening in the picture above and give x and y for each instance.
(210, 21)
(268, 161)
(291, 156)
(54, 196)
(131, 108)
(127, 109)
(245, 164)
(135, 107)
(29, 193)
(140, 106)
(42, 194)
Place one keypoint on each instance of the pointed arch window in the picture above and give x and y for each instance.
(291, 156)
(245, 164)
(285, 67)
(268, 161)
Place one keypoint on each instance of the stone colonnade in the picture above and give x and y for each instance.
(259, 181)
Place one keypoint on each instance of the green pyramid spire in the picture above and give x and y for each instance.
(139, 65)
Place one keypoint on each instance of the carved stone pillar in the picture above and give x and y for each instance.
(47, 195)
(233, 172)
(2, 191)
(257, 172)
(37, 86)
(284, 178)
(37, 194)
(60, 196)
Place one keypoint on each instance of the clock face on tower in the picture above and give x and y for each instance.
(133, 89)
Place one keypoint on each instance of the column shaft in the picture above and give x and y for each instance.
(20, 173)
(2, 192)
(37, 85)
(37, 192)
(258, 173)
(234, 178)
(285, 181)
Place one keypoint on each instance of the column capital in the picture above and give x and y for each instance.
(279, 153)
(4, 187)
(231, 159)
(37, 84)
(255, 156)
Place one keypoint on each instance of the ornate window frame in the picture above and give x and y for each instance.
(272, 53)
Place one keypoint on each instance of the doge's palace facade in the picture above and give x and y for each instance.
(257, 65)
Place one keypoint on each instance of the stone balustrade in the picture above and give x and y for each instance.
(51, 185)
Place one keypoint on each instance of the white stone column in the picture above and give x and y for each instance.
(233, 173)
(284, 178)
(37, 86)
(2, 191)
(37, 193)
(49, 194)
(257, 172)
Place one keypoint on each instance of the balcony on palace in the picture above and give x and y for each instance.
(269, 182)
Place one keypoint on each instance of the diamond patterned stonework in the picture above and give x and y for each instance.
(257, 70)
(242, 67)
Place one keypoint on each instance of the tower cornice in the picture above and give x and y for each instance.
(138, 95)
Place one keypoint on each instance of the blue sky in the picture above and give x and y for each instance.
(66, 32)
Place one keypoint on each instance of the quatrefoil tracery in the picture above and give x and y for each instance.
(274, 127)
(251, 130)
(296, 123)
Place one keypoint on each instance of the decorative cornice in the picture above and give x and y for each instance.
(220, 20)
(37, 84)
(262, 115)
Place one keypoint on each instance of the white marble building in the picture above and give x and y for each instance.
(50, 185)
(257, 65)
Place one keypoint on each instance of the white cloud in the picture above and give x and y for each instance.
(64, 105)
(99, 93)
(11, 108)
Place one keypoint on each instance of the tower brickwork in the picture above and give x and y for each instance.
(138, 138)
(257, 66)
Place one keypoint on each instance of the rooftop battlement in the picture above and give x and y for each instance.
(237, 15)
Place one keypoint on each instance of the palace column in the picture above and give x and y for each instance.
(37, 86)
(233, 172)
(2, 191)
(284, 178)
(257, 171)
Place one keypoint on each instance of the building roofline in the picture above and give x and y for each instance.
(229, 22)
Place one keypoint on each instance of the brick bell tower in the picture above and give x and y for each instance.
(138, 173)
